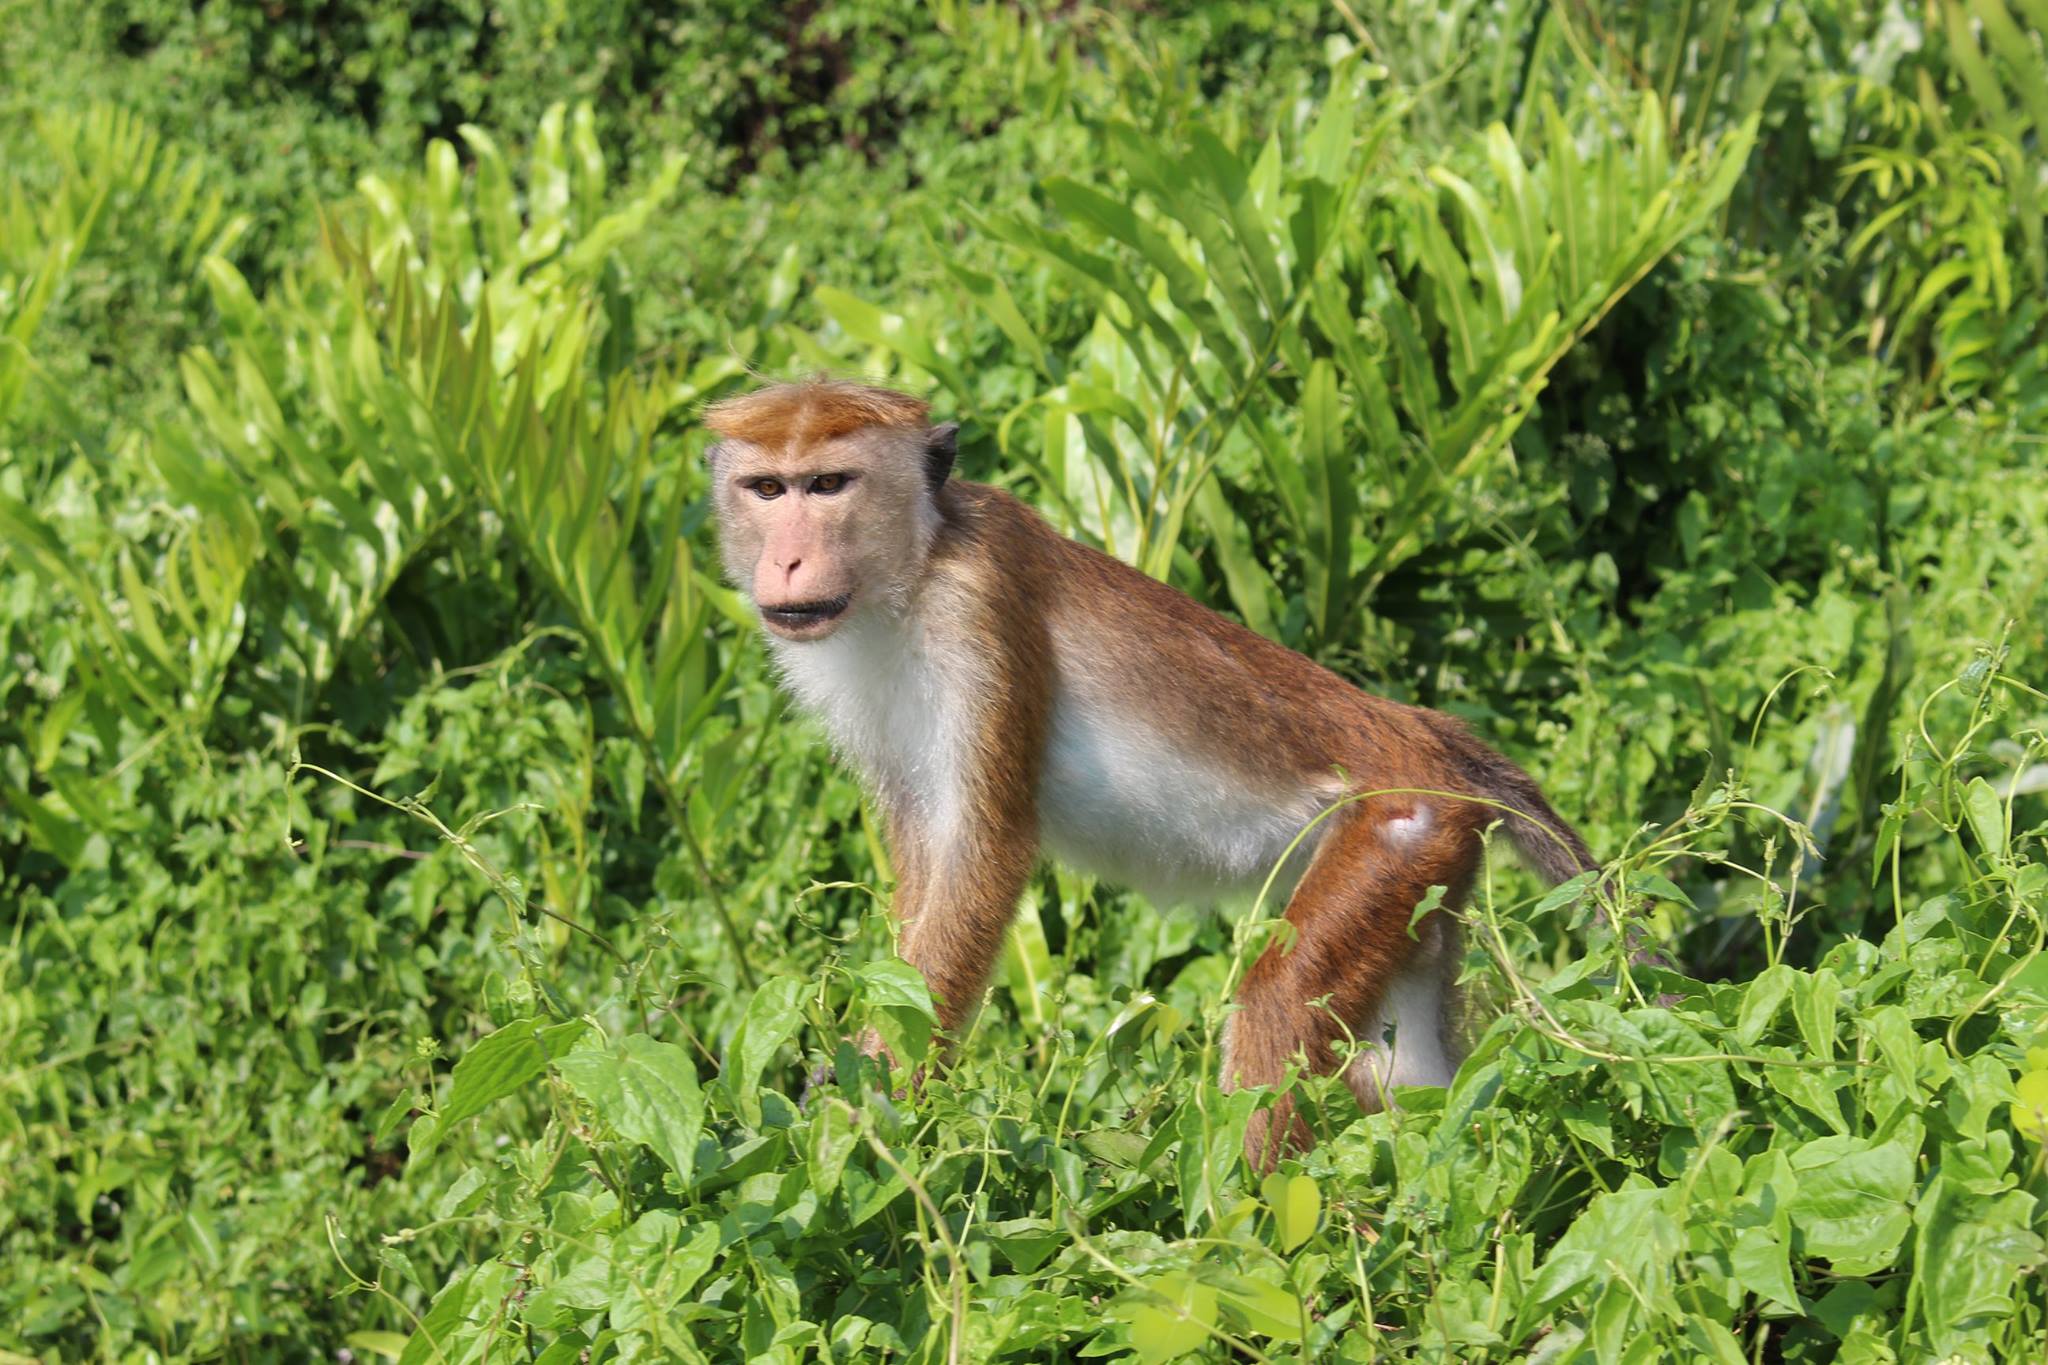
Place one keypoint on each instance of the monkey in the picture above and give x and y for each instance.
(1001, 688)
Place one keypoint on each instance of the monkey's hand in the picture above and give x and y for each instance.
(871, 1045)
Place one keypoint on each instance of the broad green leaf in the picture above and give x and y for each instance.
(1431, 899)
(1851, 1209)
(1762, 1265)
(1027, 1242)
(1160, 1333)
(1661, 887)
(1296, 1203)
(1714, 1342)
(772, 1019)
(645, 1090)
(994, 298)
(459, 1313)
(1331, 503)
(1252, 590)
(654, 1264)
(1986, 815)
(403, 1103)
(1627, 1230)
(1265, 1308)
(496, 203)
(1161, 1336)
(504, 1062)
(1694, 1094)
(1027, 966)
(1503, 280)
(892, 983)
(1813, 1005)
(1589, 1123)
(1760, 1001)
(463, 1195)
(895, 332)
(832, 1141)
(2030, 1105)
(1970, 1259)
(389, 1345)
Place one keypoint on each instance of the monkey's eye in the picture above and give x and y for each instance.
(765, 489)
(828, 484)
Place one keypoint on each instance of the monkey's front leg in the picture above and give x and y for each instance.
(955, 898)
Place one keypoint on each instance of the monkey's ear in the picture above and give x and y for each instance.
(713, 453)
(941, 444)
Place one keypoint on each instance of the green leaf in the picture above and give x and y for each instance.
(1161, 1336)
(1851, 1208)
(1160, 1333)
(1264, 1307)
(902, 1004)
(1968, 1259)
(994, 299)
(832, 1141)
(1592, 1123)
(1650, 883)
(654, 1264)
(462, 1196)
(892, 332)
(1986, 814)
(1711, 1341)
(390, 1345)
(1028, 1242)
(1627, 1230)
(394, 1114)
(646, 1090)
(2030, 1105)
(459, 1314)
(1296, 1203)
(1762, 1265)
(1760, 1002)
(503, 1062)
(772, 1019)
(1331, 505)
(1814, 1000)
(1694, 1094)
(1431, 899)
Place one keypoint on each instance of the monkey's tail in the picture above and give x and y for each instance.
(1550, 846)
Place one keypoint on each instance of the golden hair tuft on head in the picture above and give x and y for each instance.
(810, 411)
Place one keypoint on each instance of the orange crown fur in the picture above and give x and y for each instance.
(797, 415)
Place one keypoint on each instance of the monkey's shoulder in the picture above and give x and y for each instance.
(990, 530)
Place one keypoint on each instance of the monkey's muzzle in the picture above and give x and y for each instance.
(804, 618)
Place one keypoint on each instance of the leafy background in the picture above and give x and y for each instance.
(427, 935)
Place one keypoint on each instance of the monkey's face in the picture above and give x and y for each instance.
(816, 535)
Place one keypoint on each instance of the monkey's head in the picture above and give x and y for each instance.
(825, 494)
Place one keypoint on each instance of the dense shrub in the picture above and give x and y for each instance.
(427, 934)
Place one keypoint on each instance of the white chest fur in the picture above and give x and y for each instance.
(895, 702)
(1115, 796)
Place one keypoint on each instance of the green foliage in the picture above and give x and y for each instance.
(427, 936)
(1954, 202)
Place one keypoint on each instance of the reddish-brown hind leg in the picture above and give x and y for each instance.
(1350, 914)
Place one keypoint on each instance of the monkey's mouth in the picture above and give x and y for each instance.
(804, 618)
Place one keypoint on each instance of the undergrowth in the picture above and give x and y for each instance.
(425, 932)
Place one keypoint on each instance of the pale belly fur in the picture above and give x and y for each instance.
(1121, 800)
(1115, 798)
